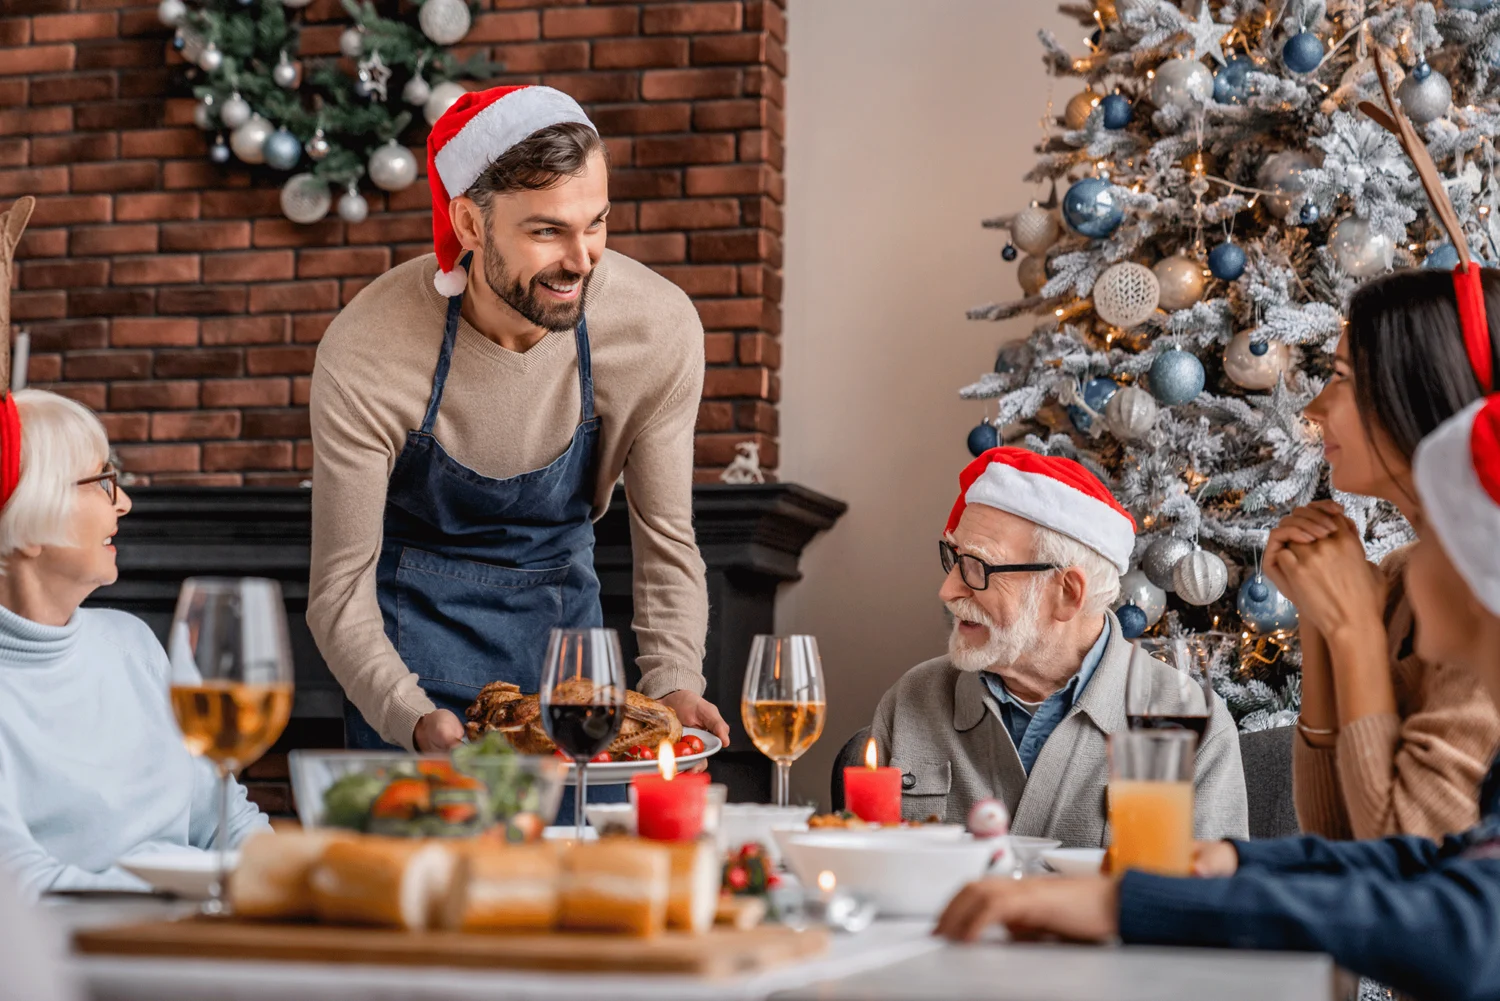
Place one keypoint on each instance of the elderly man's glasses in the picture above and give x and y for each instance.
(975, 572)
(109, 482)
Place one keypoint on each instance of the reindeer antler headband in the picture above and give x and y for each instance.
(1466, 283)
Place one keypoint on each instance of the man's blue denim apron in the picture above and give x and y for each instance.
(474, 571)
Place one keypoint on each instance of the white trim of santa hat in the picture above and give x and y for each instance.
(474, 132)
(1051, 491)
(1457, 469)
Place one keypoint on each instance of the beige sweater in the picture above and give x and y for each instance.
(504, 413)
(1416, 772)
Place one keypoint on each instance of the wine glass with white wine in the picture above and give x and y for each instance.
(784, 705)
(231, 682)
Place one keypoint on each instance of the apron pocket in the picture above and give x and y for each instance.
(924, 789)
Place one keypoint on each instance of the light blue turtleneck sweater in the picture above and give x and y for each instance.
(92, 765)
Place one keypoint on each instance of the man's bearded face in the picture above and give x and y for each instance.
(553, 299)
(999, 644)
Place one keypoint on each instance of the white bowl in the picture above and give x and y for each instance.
(1030, 851)
(743, 823)
(922, 833)
(1074, 861)
(182, 872)
(903, 876)
(604, 816)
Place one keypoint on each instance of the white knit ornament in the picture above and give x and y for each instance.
(444, 21)
(1126, 294)
(1032, 274)
(1181, 282)
(1200, 578)
(1130, 413)
(1034, 230)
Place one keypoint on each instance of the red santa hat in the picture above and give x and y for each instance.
(1053, 492)
(1457, 471)
(472, 134)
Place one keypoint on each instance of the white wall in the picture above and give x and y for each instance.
(908, 122)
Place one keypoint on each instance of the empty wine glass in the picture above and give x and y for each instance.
(583, 700)
(783, 705)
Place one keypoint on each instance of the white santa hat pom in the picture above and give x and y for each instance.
(451, 283)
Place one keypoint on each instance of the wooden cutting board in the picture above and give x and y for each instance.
(721, 952)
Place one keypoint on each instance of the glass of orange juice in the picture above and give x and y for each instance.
(1151, 800)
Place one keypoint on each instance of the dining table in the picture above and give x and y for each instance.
(892, 959)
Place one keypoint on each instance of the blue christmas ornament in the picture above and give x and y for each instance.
(1421, 71)
(1232, 81)
(982, 439)
(1303, 52)
(1444, 257)
(1227, 261)
(1309, 214)
(1008, 252)
(1176, 377)
(219, 152)
(1263, 608)
(178, 42)
(1081, 418)
(1259, 348)
(1096, 392)
(282, 150)
(1091, 208)
(1132, 621)
(1117, 111)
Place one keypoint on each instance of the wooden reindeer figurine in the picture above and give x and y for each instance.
(12, 223)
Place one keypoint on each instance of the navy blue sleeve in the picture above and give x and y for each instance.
(1433, 935)
(1395, 858)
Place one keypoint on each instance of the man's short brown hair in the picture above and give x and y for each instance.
(539, 161)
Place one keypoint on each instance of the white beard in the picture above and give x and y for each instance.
(1005, 644)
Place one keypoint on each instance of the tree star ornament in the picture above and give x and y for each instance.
(1207, 34)
(376, 75)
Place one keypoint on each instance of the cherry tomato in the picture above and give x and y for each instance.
(693, 741)
(640, 752)
(601, 757)
(683, 748)
(558, 752)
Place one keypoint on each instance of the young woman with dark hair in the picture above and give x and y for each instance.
(1388, 743)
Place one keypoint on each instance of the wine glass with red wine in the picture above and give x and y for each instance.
(583, 700)
(1179, 699)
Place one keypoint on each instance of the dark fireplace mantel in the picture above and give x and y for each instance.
(751, 538)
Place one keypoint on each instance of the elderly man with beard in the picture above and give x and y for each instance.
(1033, 684)
(472, 411)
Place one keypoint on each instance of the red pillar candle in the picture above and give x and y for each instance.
(873, 794)
(668, 806)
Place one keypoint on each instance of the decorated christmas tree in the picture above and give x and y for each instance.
(1204, 208)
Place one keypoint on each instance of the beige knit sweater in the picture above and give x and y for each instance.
(1415, 772)
(504, 413)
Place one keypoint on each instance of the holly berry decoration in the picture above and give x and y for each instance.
(748, 873)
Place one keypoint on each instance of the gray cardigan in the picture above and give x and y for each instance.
(943, 729)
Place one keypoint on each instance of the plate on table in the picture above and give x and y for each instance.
(1074, 861)
(181, 872)
(1030, 851)
(615, 773)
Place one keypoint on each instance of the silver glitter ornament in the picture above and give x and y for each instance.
(249, 140)
(1032, 274)
(1255, 364)
(285, 73)
(1282, 174)
(444, 21)
(1200, 578)
(171, 12)
(1425, 100)
(1176, 377)
(352, 206)
(1161, 559)
(352, 43)
(1076, 114)
(235, 112)
(1181, 281)
(211, 59)
(318, 146)
(416, 92)
(1359, 249)
(1130, 414)
(305, 199)
(282, 150)
(1264, 608)
(1136, 589)
(392, 167)
(1034, 230)
(442, 98)
(1181, 83)
(1126, 294)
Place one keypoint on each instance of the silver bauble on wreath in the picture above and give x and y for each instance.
(1359, 249)
(392, 167)
(1161, 559)
(305, 199)
(1181, 282)
(416, 92)
(352, 205)
(1282, 174)
(1076, 114)
(442, 98)
(282, 150)
(444, 21)
(1200, 578)
(318, 147)
(1034, 230)
(235, 111)
(1136, 589)
(203, 113)
(249, 140)
(285, 73)
(1255, 364)
(1130, 414)
(171, 12)
(1264, 608)
(1424, 96)
(1181, 83)
(211, 59)
(1126, 294)
(1032, 274)
(352, 43)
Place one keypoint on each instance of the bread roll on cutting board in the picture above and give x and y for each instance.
(693, 894)
(504, 888)
(615, 885)
(382, 881)
(271, 880)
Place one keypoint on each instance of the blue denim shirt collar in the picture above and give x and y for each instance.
(1030, 732)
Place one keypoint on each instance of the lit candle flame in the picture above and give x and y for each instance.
(872, 760)
(826, 881)
(666, 761)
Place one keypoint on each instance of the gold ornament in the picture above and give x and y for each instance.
(1080, 107)
(1181, 281)
(1032, 274)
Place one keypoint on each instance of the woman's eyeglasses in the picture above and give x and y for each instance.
(975, 572)
(109, 482)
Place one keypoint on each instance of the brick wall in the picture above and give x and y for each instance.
(173, 297)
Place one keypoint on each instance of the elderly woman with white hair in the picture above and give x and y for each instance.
(92, 765)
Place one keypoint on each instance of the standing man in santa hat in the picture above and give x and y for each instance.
(471, 413)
